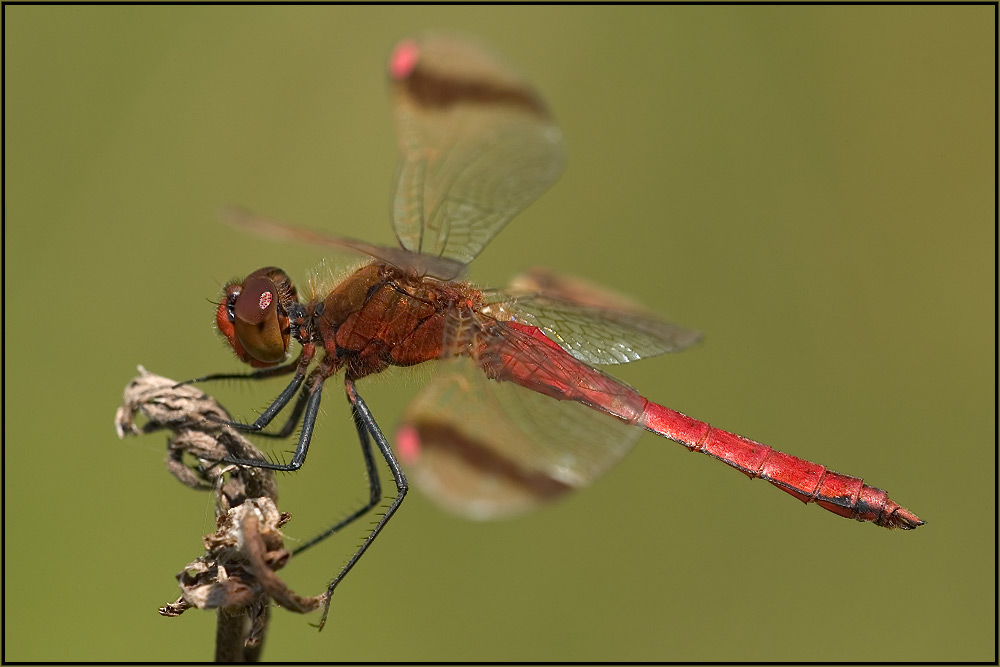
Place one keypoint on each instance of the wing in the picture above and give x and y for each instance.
(476, 146)
(419, 265)
(489, 450)
(593, 324)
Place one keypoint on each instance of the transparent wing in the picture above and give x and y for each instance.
(476, 146)
(488, 450)
(420, 265)
(592, 323)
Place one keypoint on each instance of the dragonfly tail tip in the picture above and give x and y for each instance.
(905, 519)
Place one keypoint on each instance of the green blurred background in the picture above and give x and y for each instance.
(811, 187)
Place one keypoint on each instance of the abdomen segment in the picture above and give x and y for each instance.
(809, 482)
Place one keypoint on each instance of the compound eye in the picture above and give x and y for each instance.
(260, 327)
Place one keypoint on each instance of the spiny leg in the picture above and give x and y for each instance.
(363, 416)
(314, 391)
(278, 404)
(260, 374)
(374, 488)
(293, 419)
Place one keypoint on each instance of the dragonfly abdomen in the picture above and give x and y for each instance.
(810, 482)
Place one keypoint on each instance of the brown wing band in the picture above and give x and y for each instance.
(432, 91)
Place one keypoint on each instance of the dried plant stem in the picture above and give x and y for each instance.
(236, 575)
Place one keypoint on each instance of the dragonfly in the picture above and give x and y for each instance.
(517, 414)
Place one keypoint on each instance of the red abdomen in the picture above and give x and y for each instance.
(528, 358)
(809, 482)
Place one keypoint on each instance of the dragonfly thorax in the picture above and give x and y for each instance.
(381, 316)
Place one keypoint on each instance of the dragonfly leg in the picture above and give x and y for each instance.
(290, 423)
(311, 410)
(272, 410)
(364, 417)
(299, 366)
(374, 487)
(261, 374)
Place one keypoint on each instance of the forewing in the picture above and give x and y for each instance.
(488, 450)
(420, 265)
(476, 146)
(592, 323)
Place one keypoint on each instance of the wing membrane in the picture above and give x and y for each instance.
(487, 450)
(476, 146)
(592, 323)
(420, 265)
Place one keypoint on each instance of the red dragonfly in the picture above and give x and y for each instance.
(518, 414)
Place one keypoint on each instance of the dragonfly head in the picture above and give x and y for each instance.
(253, 316)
